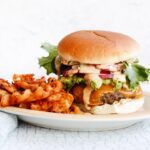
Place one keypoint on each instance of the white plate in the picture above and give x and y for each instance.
(85, 122)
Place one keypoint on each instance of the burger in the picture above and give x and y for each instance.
(100, 69)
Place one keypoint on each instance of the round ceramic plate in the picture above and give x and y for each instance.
(86, 122)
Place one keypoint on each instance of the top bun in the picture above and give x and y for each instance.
(97, 47)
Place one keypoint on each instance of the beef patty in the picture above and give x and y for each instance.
(109, 98)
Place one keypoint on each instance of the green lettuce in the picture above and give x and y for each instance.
(70, 81)
(93, 85)
(49, 62)
(118, 84)
(135, 74)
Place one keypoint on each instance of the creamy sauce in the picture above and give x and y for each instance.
(88, 90)
(119, 76)
(108, 67)
(57, 64)
(86, 96)
(88, 69)
(93, 77)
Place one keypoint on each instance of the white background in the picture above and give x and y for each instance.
(25, 24)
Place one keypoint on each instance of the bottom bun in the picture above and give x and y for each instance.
(124, 106)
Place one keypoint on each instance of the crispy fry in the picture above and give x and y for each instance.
(63, 104)
(4, 98)
(4, 84)
(23, 77)
(27, 81)
(24, 105)
(25, 96)
(60, 105)
(75, 109)
(36, 94)
(25, 85)
(40, 105)
(56, 84)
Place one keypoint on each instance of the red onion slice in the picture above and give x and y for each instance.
(106, 74)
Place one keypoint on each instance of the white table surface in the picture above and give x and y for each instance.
(25, 24)
(28, 137)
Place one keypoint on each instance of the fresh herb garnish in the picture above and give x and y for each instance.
(48, 62)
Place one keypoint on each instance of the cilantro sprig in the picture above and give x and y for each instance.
(48, 62)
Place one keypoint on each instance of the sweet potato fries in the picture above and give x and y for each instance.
(37, 94)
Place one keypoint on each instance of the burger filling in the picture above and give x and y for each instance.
(98, 84)
(102, 84)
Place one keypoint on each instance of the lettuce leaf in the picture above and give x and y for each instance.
(48, 62)
(118, 85)
(70, 81)
(135, 74)
(93, 85)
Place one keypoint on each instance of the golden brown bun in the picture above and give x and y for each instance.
(97, 47)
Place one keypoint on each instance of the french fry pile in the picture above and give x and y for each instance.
(37, 94)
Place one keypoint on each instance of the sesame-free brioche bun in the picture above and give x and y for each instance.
(97, 47)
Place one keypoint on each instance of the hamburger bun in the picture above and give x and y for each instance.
(97, 47)
(123, 107)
